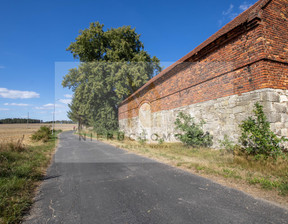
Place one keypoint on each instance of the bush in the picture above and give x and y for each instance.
(44, 133)
(192, 133)
(257, 138)
(227, 145)
(142, 138)
(120, 135)
(160, 141)
(109, 134)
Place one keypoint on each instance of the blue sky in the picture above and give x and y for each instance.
(35, 35)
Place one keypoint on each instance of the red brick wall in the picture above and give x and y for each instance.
(275, 18)
(241, 65)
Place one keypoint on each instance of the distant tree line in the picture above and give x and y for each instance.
(32, 121)
(60, 122)
(19, 121)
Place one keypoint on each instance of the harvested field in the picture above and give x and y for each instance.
(13, 132)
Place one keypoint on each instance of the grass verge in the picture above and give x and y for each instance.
(21, 169)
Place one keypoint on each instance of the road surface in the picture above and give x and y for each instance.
(91, 182)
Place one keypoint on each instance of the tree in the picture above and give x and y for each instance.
(113, 66)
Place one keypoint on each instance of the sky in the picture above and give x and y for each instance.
(35, 35)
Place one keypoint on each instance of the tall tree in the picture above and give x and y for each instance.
(113, 66)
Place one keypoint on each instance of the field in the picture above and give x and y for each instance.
(13, 132)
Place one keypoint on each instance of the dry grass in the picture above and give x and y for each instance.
(13, 132)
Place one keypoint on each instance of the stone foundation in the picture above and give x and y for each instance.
(222, 116)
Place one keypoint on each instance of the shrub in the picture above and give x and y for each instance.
(142, 139)
(192, 133)
(257, 138)
(160, 141)
(227, 145)
(44, 133)
(120, 135)
(109, 134)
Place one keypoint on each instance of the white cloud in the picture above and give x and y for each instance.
(233, 12)
(68, 96)
(228, 14)
(16, 104)
(228, 11)
(4, 109)
(40, 108)
(244, 6)
(49, 106)
(65, 101)
(17, 94)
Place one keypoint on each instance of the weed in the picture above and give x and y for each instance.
(142, 139)
(191, 134)
(283, 187)
(230, 173)
(226, 145)
(120, 135)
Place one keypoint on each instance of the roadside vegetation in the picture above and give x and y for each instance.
(21, 169)
(259, 159)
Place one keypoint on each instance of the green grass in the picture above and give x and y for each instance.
(21, 168)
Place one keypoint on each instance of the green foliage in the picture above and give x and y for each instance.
(257, 138)
(160, 141)
(109, 135)
(266, 183)
(44, 133)
(120, 135)
(227, 145)
(191, 134)
(114, 65)
(142, 138)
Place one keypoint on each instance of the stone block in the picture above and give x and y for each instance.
(274, 117)
(238, 109)
(280, 108)
(279, 125)
(284, 118)
(284, 132)
(270, 96)
(248, 97)
(283, 98)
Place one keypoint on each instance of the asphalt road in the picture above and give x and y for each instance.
(91, 182)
